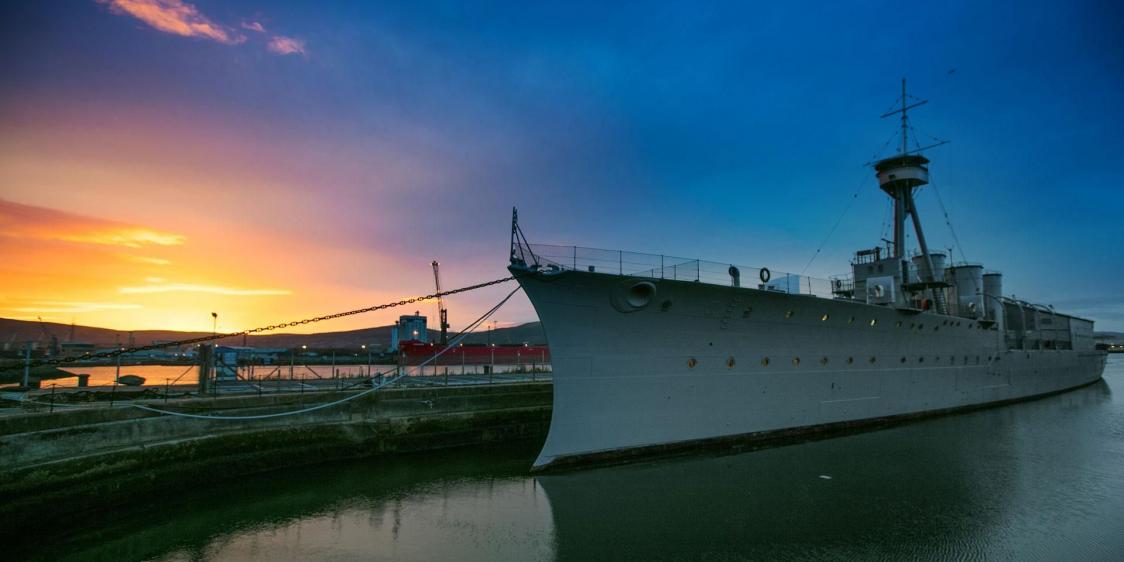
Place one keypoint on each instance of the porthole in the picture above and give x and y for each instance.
(640, 294)
(692, 362)
(850, 360)
(788, 313)
(936, 328)
(899, 323)
(665, 306)
(730, 362)
(873, 359)
(937, 359)
(824, 318)
(764, 361)
(851, 320)
(795, 361)
(823, 360)
(873, 321)
(920, 359)
(748, 310)
(920, 326)
(903, 359)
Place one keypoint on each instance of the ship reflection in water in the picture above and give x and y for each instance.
(1043, 479)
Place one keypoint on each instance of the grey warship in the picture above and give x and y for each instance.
(653, 353)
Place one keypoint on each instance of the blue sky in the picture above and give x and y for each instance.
(399, 132)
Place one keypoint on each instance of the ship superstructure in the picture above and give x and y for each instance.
(652, 352)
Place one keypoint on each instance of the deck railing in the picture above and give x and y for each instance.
(659, 266)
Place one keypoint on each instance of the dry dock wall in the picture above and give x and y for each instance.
(85, 456)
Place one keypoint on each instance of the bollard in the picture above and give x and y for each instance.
(83, 381)
(204, 369)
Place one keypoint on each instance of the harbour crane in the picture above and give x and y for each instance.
(442, 312)
(54, 340)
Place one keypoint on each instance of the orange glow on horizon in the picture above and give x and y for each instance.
(146, 223)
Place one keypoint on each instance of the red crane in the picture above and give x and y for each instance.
(442, 312)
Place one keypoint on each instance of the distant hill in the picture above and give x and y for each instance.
(14, 332)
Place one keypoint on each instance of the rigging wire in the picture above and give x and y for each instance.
(850, 204)
(947, 220)
(463, 333)
(876, 155)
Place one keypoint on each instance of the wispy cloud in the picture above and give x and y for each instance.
(175, 17)
(127, 237)
(40, 223)
(145, 259)
(73, 307)
(181, 18)
(286, 45)
(190, 288)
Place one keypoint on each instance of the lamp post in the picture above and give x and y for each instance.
(214, 323)
(368, 359)
(117, 375)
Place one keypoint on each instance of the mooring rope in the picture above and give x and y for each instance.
(463, 334)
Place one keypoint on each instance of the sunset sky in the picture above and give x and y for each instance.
(268, 161)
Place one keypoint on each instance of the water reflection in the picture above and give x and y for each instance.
(1042, 479)
(947, 487)
(464, 505)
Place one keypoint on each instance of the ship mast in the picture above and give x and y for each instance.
(898, 176)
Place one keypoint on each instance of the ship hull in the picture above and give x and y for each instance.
(701, 364)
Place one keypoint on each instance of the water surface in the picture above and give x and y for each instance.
(1041, 480)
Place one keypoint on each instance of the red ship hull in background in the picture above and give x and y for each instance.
(413, 352)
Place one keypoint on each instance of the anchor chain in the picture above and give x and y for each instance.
(271, 327)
